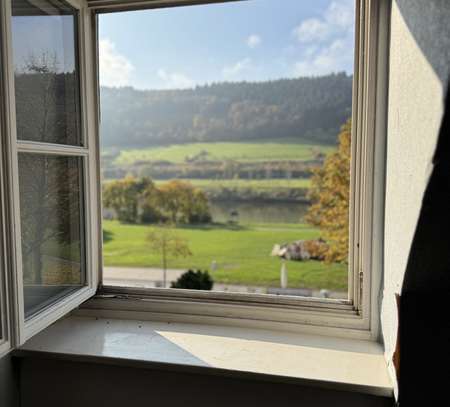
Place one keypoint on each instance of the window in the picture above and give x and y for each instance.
(47, 86)
(226, 148)
(47, 72)
(156, 132)
(50, 187)
(4, 316)
(53, 243)
(51, 160)
(175, 72)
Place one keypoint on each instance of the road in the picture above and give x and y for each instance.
(139, 277)
(153, 277)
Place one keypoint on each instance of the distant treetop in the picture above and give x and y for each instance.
(309, 109)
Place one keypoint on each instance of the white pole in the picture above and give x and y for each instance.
(283, 275)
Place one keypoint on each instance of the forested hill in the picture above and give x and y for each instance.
(309, 109)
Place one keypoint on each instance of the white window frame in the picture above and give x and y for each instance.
(5, 344)
(5, 276)
(25, 328)
(356, 317)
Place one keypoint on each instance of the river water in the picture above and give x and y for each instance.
(258, 212)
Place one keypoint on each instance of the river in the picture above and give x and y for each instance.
(258, 212)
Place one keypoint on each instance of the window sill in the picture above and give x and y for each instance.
(331, 363)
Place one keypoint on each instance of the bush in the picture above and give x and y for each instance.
(194, 280)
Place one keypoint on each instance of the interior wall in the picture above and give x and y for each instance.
(9, 388)
(75, 384)
(419, 70)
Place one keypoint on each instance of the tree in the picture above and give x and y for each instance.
(199, 209)
(148, 198)
(164, 241)
(329, 193)
(131, 198)
(173, 200)
(181, 202)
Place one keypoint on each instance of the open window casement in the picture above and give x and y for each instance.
(4, 314)
(51, 168)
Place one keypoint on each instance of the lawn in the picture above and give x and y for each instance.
(280, 150)
(242, 253)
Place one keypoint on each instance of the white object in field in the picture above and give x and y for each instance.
(279, 251)
(283, 275)
(214, 266)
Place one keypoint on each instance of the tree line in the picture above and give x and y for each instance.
(139, 200)
(309, 108)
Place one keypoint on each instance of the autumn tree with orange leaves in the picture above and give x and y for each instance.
(329, 194)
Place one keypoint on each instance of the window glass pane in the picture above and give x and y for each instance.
(46, 71)
(2, 287)
(225, 142)
(53, 243)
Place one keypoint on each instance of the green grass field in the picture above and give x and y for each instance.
(242, 254)
(281, 150)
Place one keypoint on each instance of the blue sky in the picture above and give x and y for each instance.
(251, 40)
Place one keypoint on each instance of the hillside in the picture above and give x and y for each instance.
(307, 109)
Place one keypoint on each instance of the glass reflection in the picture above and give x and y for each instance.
(46, 71)
(52, 232)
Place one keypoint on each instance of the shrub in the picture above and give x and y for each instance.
(194, 280)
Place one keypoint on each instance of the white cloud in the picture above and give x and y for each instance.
(337, 19)
(253, 41)
(332, 58)
(115, 69)
(175, 80)
(341, 14)
(327, 41)
(236, 69)
(311, 30)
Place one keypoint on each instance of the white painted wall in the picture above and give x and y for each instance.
(419, 68)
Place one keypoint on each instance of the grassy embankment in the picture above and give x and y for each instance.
(279, 150)
(255, 152)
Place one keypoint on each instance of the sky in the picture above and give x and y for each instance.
(253, 40)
